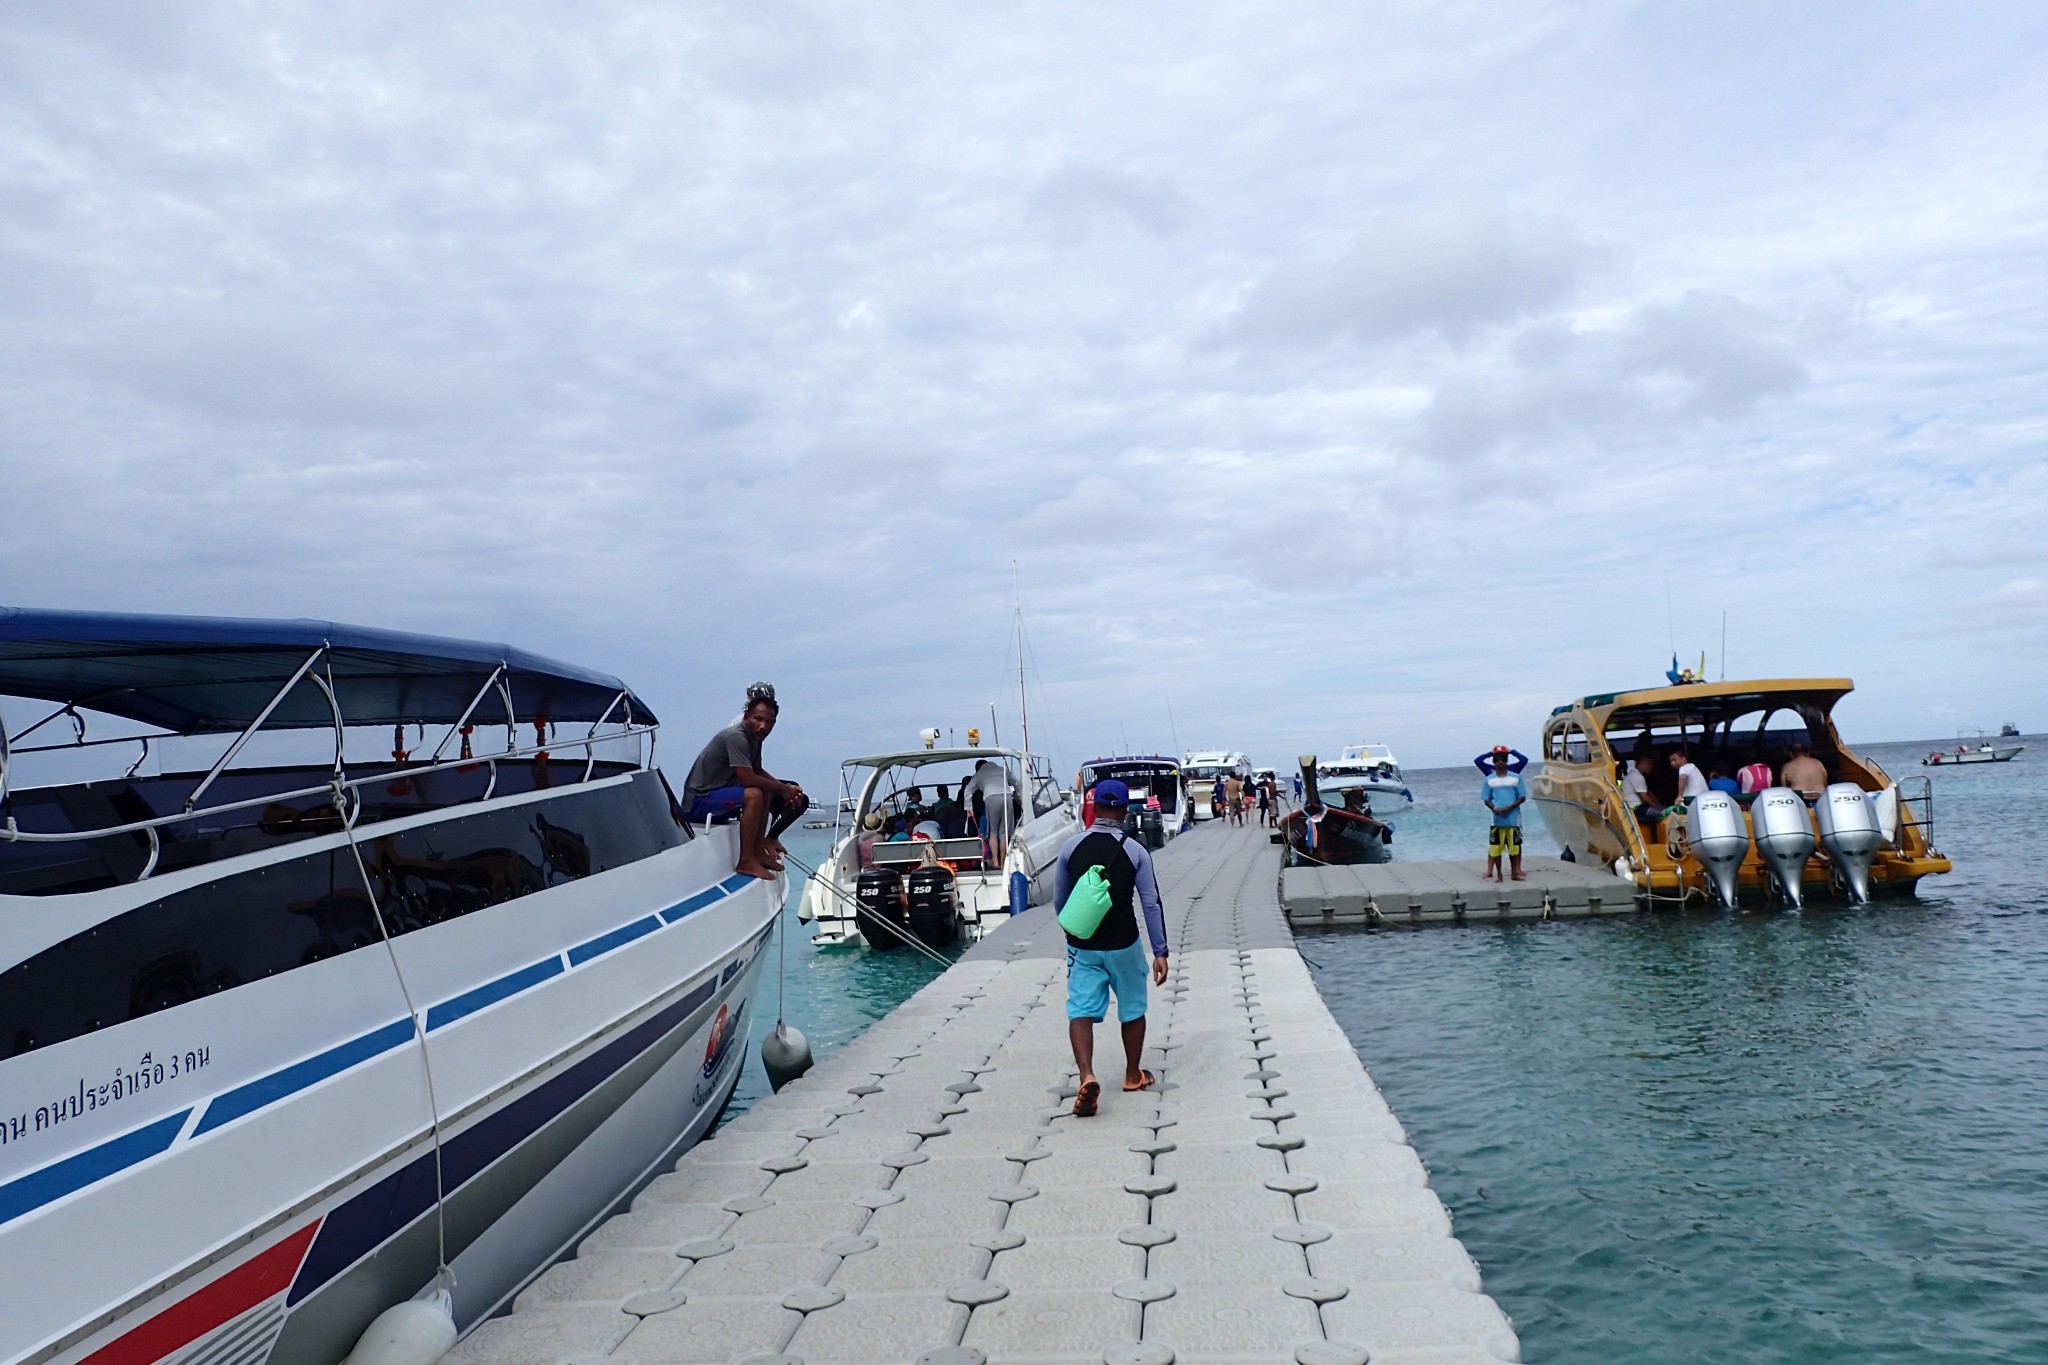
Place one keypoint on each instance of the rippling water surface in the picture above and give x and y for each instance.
(833, 993)
(1759, 1138)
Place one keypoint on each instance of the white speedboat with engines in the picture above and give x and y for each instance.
(938, 843)
(287, 1043)
(1370, 768)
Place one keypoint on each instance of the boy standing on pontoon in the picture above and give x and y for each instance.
(1504, 792)
(1110, 959)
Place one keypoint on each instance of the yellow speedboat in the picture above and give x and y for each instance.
(1589, 744)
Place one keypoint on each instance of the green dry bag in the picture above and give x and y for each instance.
(1086, 904)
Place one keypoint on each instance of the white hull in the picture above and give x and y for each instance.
(2000, 754)
(277, 1191)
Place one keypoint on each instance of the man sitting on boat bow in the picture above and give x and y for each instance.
(728, 777)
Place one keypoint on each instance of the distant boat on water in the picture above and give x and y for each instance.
(1974, 747)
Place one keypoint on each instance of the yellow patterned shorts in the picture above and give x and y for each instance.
(1504, 839)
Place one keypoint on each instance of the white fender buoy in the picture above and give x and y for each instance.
(417, 1332)
(785, 1055)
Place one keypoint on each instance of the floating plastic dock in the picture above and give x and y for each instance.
(925, 1195)
(1450, 892)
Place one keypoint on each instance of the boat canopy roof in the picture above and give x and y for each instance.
(918, 758)
(1711, 702)
(211, 674)
(1151, 761)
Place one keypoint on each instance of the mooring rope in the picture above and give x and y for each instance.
(349, 812)
(897, 930)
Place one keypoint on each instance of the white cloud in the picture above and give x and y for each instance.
(1447, 270)
(718, 342)
(1556, 385)
(1081, 192)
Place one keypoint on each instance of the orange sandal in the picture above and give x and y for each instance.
(1145, 1084)
(1086, 1098)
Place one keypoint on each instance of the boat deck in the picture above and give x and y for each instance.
(925, 1195)
(1450, 892)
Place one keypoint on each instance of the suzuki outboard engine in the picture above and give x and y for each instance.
(1784, 838)
(881, 918)
(1720, 840)
(1850, 833)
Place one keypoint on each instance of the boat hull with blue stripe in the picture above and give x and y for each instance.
(280, 1118)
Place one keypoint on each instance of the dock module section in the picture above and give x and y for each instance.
(926, 1194)
(1450, 892)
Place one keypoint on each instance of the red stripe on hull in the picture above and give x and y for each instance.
(266, 1274)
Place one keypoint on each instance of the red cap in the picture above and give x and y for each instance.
(1502, 750)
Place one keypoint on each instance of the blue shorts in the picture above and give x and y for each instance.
(1092, 975)
(722, 804)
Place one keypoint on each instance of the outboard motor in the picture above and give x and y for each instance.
(1784, 838)
(933, 916)
(1720, 840)
(1850, 833)
(881, 918)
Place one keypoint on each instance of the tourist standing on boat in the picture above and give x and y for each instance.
(995, 799)
(1110, 960)
(1503, 791)
(1754, 775)
(728, 777)
(1691, 781)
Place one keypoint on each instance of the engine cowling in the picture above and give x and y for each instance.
(1850, 833)
(1784, 838)
(1720, 840)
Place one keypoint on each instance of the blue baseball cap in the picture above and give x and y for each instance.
(1110, 792)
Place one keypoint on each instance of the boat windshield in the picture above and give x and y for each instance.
(1146, 779)
(1727, 735)
(949, 791)
(1207, 772)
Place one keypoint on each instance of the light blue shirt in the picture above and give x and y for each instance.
(1503, 789)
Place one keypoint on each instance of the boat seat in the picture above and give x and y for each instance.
(910, 852)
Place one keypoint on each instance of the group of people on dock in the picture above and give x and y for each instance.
(1232, 798)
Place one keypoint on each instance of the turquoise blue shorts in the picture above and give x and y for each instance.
(1092, 975)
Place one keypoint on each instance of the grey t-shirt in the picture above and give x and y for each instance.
(730, 748)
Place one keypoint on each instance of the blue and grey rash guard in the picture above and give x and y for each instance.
(1147, 886)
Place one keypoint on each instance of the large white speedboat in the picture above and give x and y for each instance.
(283, 1046)
(1205, 770)
(965, 838)
(1370, 768)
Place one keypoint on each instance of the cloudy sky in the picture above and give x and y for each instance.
(1320, 372)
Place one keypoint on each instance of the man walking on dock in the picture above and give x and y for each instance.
(1504, 792)
(1110, 960)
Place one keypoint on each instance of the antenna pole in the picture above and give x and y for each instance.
(1023, 704)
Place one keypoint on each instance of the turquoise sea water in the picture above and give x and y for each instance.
(833, 993)
(1766, 1137)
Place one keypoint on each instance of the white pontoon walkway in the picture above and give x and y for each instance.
(924, 1194)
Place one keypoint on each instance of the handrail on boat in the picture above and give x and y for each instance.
(10, 833)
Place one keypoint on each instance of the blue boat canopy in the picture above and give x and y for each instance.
(205, 674)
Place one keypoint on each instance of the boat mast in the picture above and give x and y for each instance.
(1017, 609)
